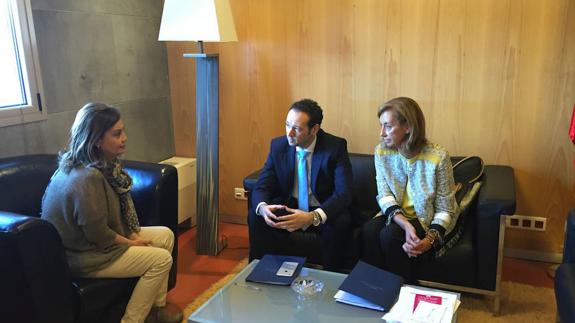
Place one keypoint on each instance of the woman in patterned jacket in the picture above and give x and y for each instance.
(416, 194)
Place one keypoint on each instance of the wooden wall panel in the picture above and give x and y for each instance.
(182, 73)
(494, 78)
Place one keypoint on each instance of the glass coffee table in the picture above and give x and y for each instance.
(241, 301)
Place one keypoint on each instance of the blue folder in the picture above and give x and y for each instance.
(373, 284)
(266, 270)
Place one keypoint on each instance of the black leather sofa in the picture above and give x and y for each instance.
(473, 265)
(565, 275)
(35, 281)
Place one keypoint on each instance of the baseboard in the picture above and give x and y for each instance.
(236, 219)
(551, 257)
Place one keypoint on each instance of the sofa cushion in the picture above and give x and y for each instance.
(95, 292)
(364, 204)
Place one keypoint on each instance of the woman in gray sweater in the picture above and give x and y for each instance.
(88, 201)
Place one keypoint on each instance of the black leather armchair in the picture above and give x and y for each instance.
(36, 283)
(565, 275)
(473, 265)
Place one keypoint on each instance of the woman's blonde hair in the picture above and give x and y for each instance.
(407, 111)
(90, 125)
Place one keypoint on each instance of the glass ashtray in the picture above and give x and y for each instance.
(307, 286)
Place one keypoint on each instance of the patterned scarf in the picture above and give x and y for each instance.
(121, 182)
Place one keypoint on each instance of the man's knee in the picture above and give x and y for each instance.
(254, 220)
(341, 221)
(256, 235)
(338, 228)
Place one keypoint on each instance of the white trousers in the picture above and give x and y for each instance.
(152, 264)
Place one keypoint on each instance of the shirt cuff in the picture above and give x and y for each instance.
(258, 208)
(322, 214)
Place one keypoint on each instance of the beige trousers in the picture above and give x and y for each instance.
(152, 264)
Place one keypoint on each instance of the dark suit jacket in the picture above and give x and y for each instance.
(331, 177)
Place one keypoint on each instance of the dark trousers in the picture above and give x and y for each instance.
(382, 247)
(332, 235)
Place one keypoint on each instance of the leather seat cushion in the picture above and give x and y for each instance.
(94, 294)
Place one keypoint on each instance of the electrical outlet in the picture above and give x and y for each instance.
(526, 222)
(240, 194)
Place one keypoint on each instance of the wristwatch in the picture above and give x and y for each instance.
(316, 218)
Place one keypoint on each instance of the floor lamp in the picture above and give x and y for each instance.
(203, 20)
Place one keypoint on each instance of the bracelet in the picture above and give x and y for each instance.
(432, 235)
(395, 212)
(430, 238)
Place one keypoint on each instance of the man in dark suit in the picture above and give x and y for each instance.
(284, 207)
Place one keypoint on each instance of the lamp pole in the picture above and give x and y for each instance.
(208, 20)
(208, 241)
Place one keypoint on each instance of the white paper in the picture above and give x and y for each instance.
(402, 311)
(428, 313)
(287, 269)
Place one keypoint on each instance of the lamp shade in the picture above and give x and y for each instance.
(197, 20)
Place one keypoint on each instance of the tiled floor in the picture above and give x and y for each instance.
(197, 273)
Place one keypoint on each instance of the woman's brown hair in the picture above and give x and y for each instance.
(407, 111)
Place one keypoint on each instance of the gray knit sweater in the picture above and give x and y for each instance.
(85, 210)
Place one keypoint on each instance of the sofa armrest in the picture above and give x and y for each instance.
(569, 244)
(496, 198)
(155, 195)
(33, 271)
(249, 185)
(251, 180)
(565, 274)
(565, 292)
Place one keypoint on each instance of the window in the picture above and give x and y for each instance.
(20, 83)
